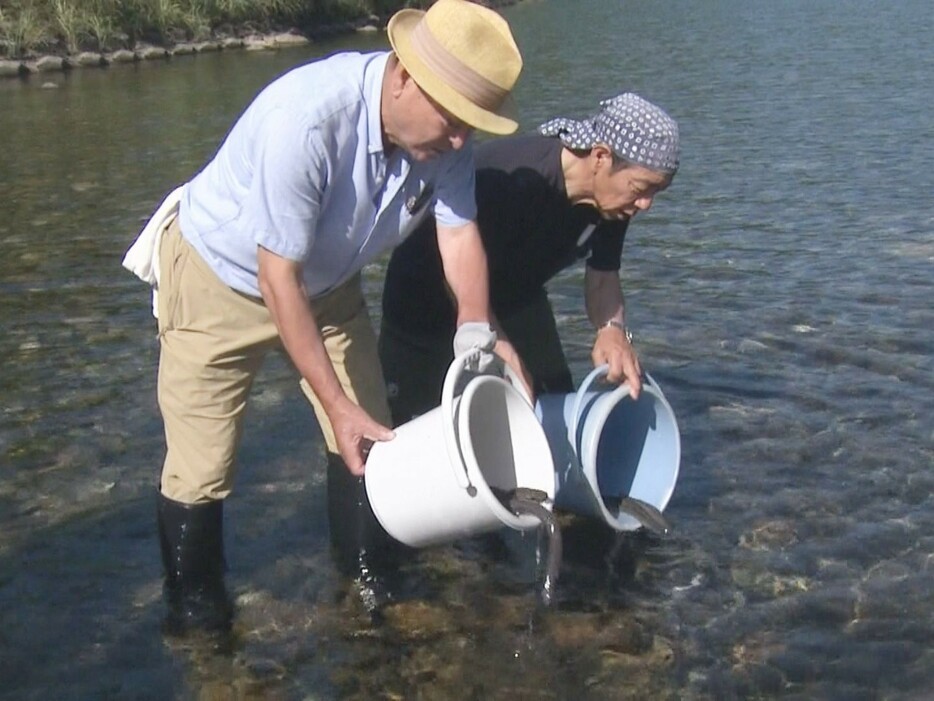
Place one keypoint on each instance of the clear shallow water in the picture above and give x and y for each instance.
(781, 294)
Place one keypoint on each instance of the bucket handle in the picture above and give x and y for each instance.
(457, 368)
(598, 371)
(585, 385)
(455, 458)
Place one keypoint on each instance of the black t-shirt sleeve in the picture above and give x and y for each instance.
(607, 249)
(415, 295)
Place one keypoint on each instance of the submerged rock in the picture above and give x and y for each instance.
(769, 536)
(418, 620)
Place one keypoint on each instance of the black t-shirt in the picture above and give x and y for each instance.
(529, 229)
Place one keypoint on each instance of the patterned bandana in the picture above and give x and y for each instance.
(637, 131)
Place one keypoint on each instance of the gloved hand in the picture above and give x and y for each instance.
(476, 334)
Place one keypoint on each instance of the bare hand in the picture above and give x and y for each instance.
(612, 348)
(355, 432)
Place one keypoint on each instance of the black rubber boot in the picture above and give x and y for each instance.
(361, 548)
(192, 541)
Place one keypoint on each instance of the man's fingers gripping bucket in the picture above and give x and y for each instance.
(449, 473)
(607, 446)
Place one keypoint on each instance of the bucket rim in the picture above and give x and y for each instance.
(589, 467)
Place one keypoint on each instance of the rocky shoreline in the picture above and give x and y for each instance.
(28, 67)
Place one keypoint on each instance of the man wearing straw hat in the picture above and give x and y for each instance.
(330, 165)
(545, 201)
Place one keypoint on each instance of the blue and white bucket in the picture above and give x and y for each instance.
(607, 446)
(435, 481)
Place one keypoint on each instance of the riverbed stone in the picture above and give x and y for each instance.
(614, 636)
(418, 620)
(510, 611)
(658, 653)
(183, 49)
(757, 648)
(617, 671)
(832, 606)
(758, 680)
(898, 595)
(429, 668)
(752, 577)
(772, 535)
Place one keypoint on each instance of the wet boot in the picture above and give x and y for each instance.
(192, 542)
(361, 548)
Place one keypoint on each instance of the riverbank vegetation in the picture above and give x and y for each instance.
(31, 27)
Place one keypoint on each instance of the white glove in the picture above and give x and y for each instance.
(476, 335)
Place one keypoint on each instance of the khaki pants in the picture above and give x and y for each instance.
(212, 343)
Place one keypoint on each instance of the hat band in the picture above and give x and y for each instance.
(454, 72)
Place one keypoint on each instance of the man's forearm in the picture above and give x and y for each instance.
(603, 298)
(465, 269)
(285, 297)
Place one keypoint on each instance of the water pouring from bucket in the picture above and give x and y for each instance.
(616, 458)
(530, 501)
(451, 472)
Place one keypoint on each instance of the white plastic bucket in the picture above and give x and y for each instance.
(434, 481)
(606, 446)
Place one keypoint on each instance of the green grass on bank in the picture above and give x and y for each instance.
(30, 27)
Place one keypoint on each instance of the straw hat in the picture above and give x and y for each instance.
(462, 55)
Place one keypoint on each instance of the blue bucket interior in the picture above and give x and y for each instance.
(628, 442)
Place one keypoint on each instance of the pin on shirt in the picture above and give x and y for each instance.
(415, 202)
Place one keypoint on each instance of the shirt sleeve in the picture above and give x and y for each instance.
(290, 174)
(607, 249)
(455, 204)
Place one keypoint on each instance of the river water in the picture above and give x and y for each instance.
(781, 293)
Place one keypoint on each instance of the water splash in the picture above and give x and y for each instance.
(531, 502)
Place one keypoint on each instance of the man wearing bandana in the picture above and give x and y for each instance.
(545, 201)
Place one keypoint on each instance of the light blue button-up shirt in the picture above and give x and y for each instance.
(303, 174)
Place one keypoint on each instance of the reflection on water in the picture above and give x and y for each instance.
(781, 294)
